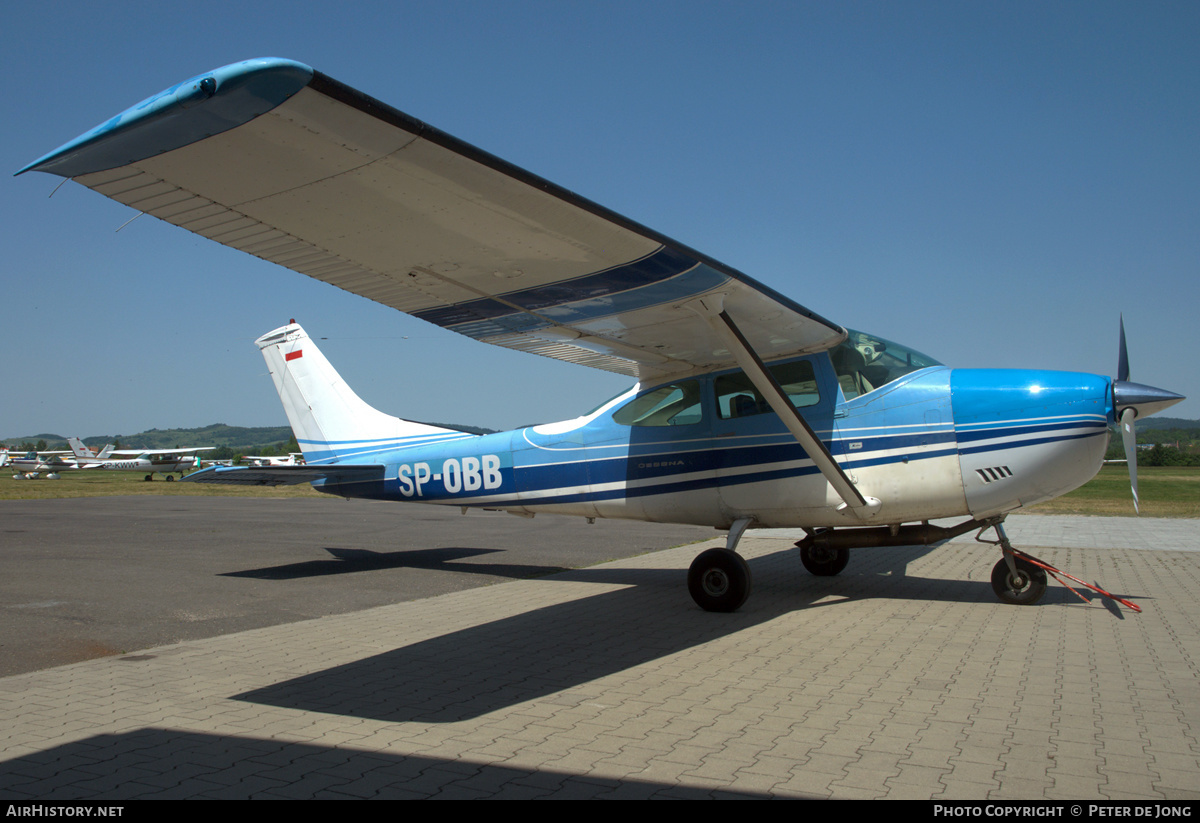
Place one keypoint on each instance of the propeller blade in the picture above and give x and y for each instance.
(1129, 439)
(1123, 356)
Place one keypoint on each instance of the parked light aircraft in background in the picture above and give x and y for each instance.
(151, 461)
(50, 463)
(263, 460)
(749, 411)
(154, 463)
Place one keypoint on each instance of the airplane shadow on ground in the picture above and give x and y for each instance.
(352, 561)
(462, 675)
(150, 764)
(474, 671)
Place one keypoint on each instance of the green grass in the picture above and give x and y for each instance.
(96, 483)
(1164, 491)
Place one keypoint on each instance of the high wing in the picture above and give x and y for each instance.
(276, 159)
(153, 452)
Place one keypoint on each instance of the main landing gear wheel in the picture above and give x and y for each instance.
(719, 580)
(824, 561)
(1024, 588)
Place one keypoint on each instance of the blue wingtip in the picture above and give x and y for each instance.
(199, 107)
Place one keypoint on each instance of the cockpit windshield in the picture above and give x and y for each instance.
(865, 362)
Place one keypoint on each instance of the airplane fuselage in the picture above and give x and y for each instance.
(34, 464)
(144, 464)
(935, 443)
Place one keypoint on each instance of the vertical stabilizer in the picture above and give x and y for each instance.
(78, 449)
(331, 423)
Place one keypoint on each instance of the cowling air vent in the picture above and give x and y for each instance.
(993, 474)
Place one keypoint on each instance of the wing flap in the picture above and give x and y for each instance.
(335, 185)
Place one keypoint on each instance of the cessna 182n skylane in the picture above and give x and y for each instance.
(750, 410)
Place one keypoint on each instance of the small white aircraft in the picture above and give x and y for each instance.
(151, 461)
(263, 460)
(50, 463)
(750, 410)
(179, 461)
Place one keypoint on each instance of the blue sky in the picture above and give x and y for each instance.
(992, 184)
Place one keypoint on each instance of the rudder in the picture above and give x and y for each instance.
(333, 424)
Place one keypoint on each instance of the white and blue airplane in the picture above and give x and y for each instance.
(749, 410)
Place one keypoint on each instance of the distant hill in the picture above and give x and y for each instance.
(244, 439)
(1167, 423)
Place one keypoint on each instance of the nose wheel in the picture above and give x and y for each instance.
(1015, 580)
(1022, 585)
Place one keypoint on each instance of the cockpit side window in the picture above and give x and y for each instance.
(864, 363)
(676, 404)
(737, 397)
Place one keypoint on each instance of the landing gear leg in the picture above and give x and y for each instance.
(1014, 579)
(719, 579)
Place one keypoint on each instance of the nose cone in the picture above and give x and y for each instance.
(1144, 400)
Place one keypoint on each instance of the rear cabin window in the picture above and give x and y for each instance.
(737, 397)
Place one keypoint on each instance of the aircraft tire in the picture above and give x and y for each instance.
(148, 478)
(169, 478)
(1025, 589)
(824, 561)
(719, 580)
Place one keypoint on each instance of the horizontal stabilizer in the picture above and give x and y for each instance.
(284, 475)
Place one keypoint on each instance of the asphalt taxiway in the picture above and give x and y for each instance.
(341, 654)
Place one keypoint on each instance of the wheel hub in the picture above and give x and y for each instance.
(715, 582)
(1019, 581)
(823, 554)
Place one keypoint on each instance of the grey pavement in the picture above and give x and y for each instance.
(901, 678)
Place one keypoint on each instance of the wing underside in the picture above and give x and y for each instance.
(284, 163)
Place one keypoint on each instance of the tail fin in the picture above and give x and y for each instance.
(80, 450)
(332, 424)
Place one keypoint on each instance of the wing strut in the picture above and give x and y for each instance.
(861, 507)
